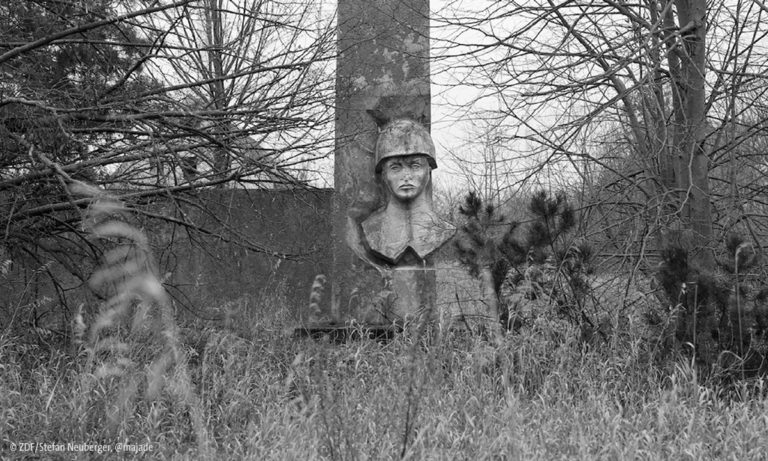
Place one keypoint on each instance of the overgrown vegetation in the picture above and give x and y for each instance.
(723, 318)
(535, 267)
(152, 100)
(540, 394)
(660, 122)
(243, 387)
(541, 268)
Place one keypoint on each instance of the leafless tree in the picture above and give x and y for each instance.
(652, 106)
(154, 98)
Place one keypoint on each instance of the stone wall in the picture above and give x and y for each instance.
(204, 271)
(201, 270)
(207, 270)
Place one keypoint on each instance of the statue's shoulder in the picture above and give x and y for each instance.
(373, 223)
(384, 240)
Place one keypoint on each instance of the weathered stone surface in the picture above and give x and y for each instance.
(207, 270)
(390, 233)
(202, 271)
(382, 73)
(461, 300)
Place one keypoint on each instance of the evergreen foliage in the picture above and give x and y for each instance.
(56, 97)
(546, 250)
(721, 318)
(487, 240)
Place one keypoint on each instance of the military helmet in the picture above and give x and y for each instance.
(404, 137)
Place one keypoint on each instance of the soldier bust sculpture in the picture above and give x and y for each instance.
(407, 229)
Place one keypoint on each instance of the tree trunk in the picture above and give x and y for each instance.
(691, 163)
(215, 30)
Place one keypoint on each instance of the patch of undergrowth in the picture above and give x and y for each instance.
(242, 387)
(541, 269)
(539, 394)
(721, 315)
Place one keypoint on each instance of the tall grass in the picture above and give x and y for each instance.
(274, 397)
(244, 388)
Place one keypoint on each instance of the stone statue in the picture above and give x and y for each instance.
(406, 230)
(404, 271)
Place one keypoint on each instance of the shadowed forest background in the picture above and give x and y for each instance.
(605, 163)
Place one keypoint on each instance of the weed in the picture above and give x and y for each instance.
(239, 387)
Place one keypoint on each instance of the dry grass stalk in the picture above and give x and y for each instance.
(123, 329)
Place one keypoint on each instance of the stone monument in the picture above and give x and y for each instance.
(406, 231)
(382, 236)
(401, 239)
(390, 248)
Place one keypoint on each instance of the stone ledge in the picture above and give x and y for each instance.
(343, 332)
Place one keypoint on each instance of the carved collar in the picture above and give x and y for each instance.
(390, 232)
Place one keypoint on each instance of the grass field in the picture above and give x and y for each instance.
(244, 388)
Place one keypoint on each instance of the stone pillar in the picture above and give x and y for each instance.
(383, 65)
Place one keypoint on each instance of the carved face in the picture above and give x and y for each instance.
(406, 176)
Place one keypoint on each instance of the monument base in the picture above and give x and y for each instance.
(462, 302)
(384, 303)
(340, 333)
(396, 296)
